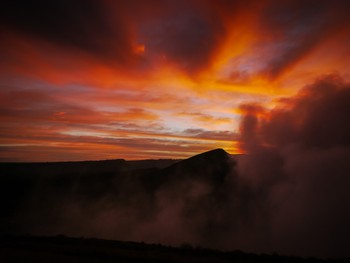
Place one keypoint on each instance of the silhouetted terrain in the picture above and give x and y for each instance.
(64, 198)
(30, 188)
(64, 249)
(206, 200)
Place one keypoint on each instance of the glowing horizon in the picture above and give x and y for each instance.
(156, 79)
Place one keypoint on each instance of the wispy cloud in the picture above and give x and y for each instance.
(176, 66)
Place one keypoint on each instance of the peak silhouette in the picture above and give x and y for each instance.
(211, 166)
(31, 196)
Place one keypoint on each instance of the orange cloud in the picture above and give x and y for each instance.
(146, 74)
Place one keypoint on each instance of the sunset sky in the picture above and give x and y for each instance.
(104, 79)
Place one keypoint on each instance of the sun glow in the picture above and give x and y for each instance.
(155, 80)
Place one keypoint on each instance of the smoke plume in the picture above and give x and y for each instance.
(297, 162)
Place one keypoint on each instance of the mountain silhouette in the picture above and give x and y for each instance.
(33, 195)
(64, 249)
(201, 201)
(212, 166)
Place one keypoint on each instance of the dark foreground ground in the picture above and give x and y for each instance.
(67, 249)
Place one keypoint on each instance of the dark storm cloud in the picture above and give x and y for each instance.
(297, 27)
(184, 34)
(81, 25)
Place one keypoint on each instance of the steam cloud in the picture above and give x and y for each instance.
(289, 193)
(298, 164)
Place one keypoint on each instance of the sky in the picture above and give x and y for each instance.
(103, 79)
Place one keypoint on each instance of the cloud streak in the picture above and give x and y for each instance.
(184, 65)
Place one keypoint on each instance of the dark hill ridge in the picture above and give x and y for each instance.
(217, 156)
(81, 167)
(211, 166)
(38, 197)
(64, 249)
(202, 161)
(200, 201)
